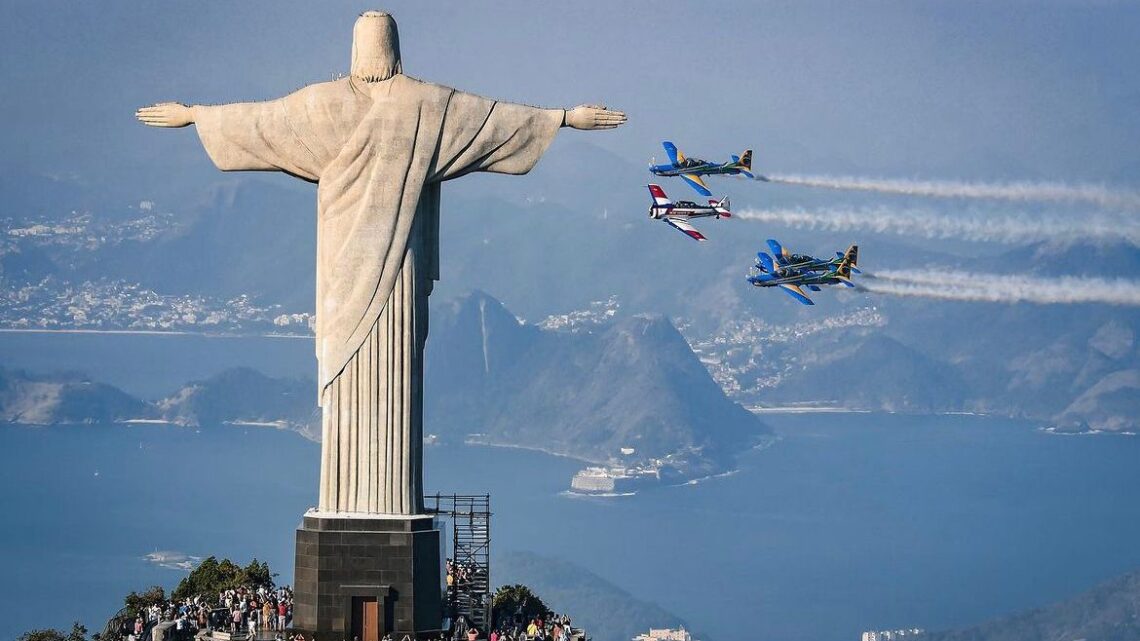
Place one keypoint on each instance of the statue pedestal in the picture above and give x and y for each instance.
(366, 575)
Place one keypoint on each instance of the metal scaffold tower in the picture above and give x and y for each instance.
(469, 561)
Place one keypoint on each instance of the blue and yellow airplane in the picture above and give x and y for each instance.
(804, 263)
(792, 272)
(691, 169)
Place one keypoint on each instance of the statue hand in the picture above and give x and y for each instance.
(166, 114)
(593, 117)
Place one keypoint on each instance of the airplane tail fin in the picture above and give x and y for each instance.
(723, 207)
(765, 263)
(659, 197)
(745, 161)
(850, 259)
(744, 164)
(779, 251)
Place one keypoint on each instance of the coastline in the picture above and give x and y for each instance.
(803, 409)
(1054, 431)
(144, 332)
(475, 442)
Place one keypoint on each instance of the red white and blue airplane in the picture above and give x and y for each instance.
(791, 272)
(677, 214)
(691, 169)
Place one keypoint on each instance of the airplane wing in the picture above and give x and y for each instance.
(671, 151)
(795, 292)
(696, 183)
(682, 225)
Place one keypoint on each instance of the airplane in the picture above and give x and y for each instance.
(803, 262)
(677, 214)
(791, 272)
(691, 169)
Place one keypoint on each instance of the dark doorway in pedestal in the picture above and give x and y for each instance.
(365, 618)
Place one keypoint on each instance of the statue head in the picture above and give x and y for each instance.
(375, 47)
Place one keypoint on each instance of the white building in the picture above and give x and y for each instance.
(665, 634)
(891, 635)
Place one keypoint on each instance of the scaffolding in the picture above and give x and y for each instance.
(469, 563)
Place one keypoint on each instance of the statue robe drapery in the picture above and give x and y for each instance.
(378, 151)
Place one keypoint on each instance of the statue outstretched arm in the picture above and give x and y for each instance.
(166, 114)
(588, 117)
(247, 136)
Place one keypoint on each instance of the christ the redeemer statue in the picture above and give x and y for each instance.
(378, 144)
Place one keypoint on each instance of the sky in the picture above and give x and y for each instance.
(953, 90)
(985, 90)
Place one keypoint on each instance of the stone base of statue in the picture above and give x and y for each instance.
(361, 576)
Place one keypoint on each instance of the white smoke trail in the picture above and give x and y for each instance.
(1021, 191)
(1002, 288)
(974, 227)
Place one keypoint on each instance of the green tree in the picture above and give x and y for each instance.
(516, 600)
(78, 633)
(212, 576)
(136, 602)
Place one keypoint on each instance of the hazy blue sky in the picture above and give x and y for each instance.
(948, 89)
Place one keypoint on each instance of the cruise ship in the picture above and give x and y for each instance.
(615, 480)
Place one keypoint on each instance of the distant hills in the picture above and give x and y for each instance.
(244, 395)
(1075, 367)
(1107, 612)
(238, 238)
(240, 395)
(64, 399)
(607, 612)
(876, 372)
(1111, 404)
(544, 245)
(632, 384)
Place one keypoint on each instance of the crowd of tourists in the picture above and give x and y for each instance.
(463, 573)
(237, 611)
(553, 628)
(267, 613)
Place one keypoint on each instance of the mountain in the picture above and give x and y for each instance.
(1112, 404)
(1107, 612)
(605, 611)
(1103, 258)
(588, 393)
(65, 399)
(238, 395)
(876, 373)
(1026, 360)
(574, 231)
(244, 395)
(243, 237)
(630, 383)
(1064, 365)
